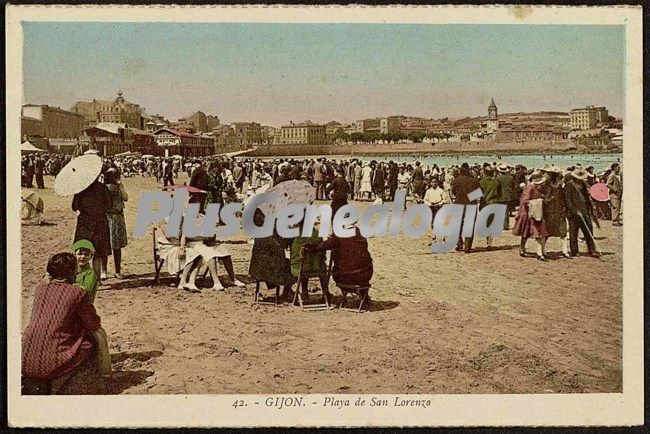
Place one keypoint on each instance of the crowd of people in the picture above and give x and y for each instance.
(64, 345)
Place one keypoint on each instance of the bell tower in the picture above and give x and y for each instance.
(492, 119)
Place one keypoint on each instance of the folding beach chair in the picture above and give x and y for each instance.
(259, 299)
(158, 262)
(361, 291)
(303, 274)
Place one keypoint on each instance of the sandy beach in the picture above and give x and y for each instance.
(484, 322)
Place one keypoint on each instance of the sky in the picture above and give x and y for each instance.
(276, 73)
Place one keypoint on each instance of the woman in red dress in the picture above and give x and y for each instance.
(526, 226)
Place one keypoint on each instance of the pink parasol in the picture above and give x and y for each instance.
(189, 188)
(599, 192)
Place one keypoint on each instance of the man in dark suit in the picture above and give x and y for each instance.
(392, 180)
(579, 211)
(461, 186)
(39, 167)
(199, 180)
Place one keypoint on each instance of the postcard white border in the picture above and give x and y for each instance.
(451, 410)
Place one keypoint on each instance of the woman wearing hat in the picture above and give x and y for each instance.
(525, 225)
(116, 223)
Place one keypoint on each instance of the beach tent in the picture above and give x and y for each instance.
(128, 154)
(234, 154)
(28, 147)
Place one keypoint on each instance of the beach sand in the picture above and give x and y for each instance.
(484, 322)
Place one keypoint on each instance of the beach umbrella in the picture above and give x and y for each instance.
(599, 191)
(77, 175)
(32, 206)
(189, 188)
(288, 193)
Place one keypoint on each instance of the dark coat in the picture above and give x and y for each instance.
(577, 200)
(199, 178)
(269, 263)
(352, 263)
(507, 188)
(379, 181)
(93, 205)
(554, 210)
(340, 189)
(461, 186)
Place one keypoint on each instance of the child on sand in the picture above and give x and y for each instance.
(86, 277)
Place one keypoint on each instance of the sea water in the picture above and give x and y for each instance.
(601, 162)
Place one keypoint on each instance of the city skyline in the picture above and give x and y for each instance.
(277, 73)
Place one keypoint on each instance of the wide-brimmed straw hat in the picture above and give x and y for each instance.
(503, 168)
(580, 173)
(538, 177)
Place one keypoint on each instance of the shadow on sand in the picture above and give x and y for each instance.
(122, 379)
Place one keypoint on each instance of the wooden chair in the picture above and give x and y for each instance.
(259, 299)
(158, 262)
(360, 290)
(305, 274)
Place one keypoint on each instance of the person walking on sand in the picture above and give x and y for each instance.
(615, 185)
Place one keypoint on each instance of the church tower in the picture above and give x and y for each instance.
(492, 119)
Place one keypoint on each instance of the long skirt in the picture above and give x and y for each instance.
(117, 230)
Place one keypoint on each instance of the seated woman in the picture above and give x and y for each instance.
(352, 263)
(58, 354)
(269, 264)
(209, 250)
(188, 254)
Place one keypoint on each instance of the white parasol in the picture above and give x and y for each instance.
(91, 152)
(77, 175)
(289, 193)
(147, 156)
